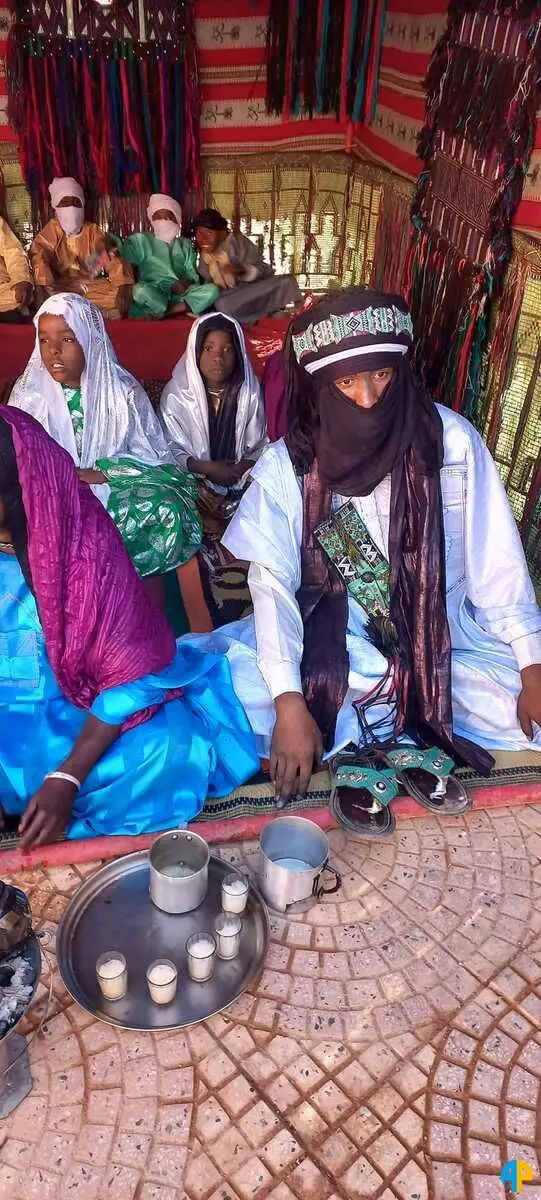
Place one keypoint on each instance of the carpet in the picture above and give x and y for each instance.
(515, 780)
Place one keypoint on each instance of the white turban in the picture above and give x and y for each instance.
(60, 188)
(158, 200)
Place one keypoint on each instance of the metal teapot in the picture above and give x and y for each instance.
(15, 918)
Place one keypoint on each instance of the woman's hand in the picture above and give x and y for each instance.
(49, 810)
(296, 746)
(91, 476)
(48, 813)
(180, 287)
(529, 701)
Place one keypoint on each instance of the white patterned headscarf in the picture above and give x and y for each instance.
(184, 406)
(118, 416)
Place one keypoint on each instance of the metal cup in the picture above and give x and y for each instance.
(179, 871)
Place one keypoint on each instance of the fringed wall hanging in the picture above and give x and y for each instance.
(323, 57)
(393, 237)
(482, 89)
(108, 94)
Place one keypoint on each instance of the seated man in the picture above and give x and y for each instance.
(74, 255)
(168, 283)
(391, 596)
(249, 289)
(15, 277)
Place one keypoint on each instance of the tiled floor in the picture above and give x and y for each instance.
(391, 1047)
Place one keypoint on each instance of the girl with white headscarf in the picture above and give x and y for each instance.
(76, 388)
(212, 409)
(213, 415)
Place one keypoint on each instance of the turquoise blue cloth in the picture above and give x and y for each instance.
(155, 776)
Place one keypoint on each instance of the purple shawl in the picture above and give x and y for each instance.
(100, 627)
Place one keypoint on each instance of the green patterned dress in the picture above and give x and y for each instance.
(153, 507)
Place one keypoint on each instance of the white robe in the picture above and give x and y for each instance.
(494, 620)
(184, 413)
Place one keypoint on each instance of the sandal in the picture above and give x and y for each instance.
(361, 796)
(427, 777)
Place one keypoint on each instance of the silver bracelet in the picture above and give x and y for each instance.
(63, 775)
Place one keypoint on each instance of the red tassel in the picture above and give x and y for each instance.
(34, 122)
(105, 137)
(128, 127)
(163, 147)
(373, 62)
(291, 34)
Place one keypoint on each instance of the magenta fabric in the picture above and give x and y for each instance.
(274, 395)
(101, 628)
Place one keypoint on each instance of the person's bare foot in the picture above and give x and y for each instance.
(178, 310)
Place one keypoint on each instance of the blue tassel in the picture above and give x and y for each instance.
(322, 61)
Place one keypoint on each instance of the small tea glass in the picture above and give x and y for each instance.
(201, 956)
(234, 894)
(112, 975)
(162, 980)
(228, 930)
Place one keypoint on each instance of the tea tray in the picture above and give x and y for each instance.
(113, 911)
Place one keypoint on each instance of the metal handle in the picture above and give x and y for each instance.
(318, 888)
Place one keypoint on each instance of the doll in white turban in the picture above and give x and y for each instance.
(74, 255)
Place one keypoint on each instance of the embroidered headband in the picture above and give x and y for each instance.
(376, 331)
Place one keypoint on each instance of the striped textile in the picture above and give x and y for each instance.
(233, 84)
(233, 87)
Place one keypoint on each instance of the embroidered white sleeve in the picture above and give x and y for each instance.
(266, 532)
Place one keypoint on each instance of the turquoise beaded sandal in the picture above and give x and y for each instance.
(361, 796)
(427, 776)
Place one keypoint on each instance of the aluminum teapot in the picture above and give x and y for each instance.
(15, 918)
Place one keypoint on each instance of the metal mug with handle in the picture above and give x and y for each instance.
(293, 858)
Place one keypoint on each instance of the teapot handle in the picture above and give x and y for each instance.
(320, 890)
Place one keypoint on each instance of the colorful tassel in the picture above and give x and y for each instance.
(122, 116)
(323, 56)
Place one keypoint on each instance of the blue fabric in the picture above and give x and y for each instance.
(155, 776)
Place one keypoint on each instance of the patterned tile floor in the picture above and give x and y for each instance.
(390, 1049)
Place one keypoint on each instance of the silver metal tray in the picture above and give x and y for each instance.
(113, 911)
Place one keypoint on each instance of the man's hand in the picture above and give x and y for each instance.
(23, 294)
(223, 473)
(41, 294)
(91, 476)
(48, 813)
(180, 287)
(529, 701)
(296, 746)
(124, 299)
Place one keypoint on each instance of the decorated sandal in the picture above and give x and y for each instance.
(427, 776)
(361, 796)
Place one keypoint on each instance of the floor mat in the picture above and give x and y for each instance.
(515, 779)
